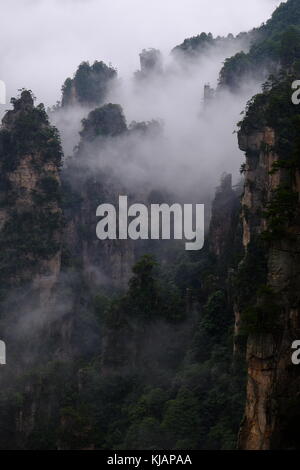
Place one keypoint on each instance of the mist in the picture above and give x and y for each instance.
(43, 41)
(197, 142)
(52, 38)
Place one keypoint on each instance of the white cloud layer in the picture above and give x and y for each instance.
(43, 41)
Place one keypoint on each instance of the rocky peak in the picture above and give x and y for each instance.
(268, 309)
(107, 121)
(25, 102)
(89, 86)
(30, 213)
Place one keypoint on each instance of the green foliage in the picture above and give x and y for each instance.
(181, 420)
(48, 191)
(162, 392)
(215, 312)
(254, 118)
(30, 132)
(67, 91)
(274, 108)
(145, 434)
(195, 45)
(107, 121)
(75, 430)
(26, 238)
(90, 84)
(234, 68)
(181, 404)
(251, 274)
(275, 43)
(280, 212)
(30, 232)
(148, 299)
(290, 46)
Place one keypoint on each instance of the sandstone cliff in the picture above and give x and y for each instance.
(30, 212)
(270, 215)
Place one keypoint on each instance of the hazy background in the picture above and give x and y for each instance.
(43, 41)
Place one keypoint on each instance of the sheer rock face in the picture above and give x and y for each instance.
(224, 208)
(259, 182)
(30, 213)
(273, 381)
(151, 64)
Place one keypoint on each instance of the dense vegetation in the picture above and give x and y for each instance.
(274, 44)
(150, 366)
(89, 85)
(195, 46)
(164, 379)
(106, 121)
(32, 215)
(273, 108)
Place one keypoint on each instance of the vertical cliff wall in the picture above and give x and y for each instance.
(30, 212)
(268, 283)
